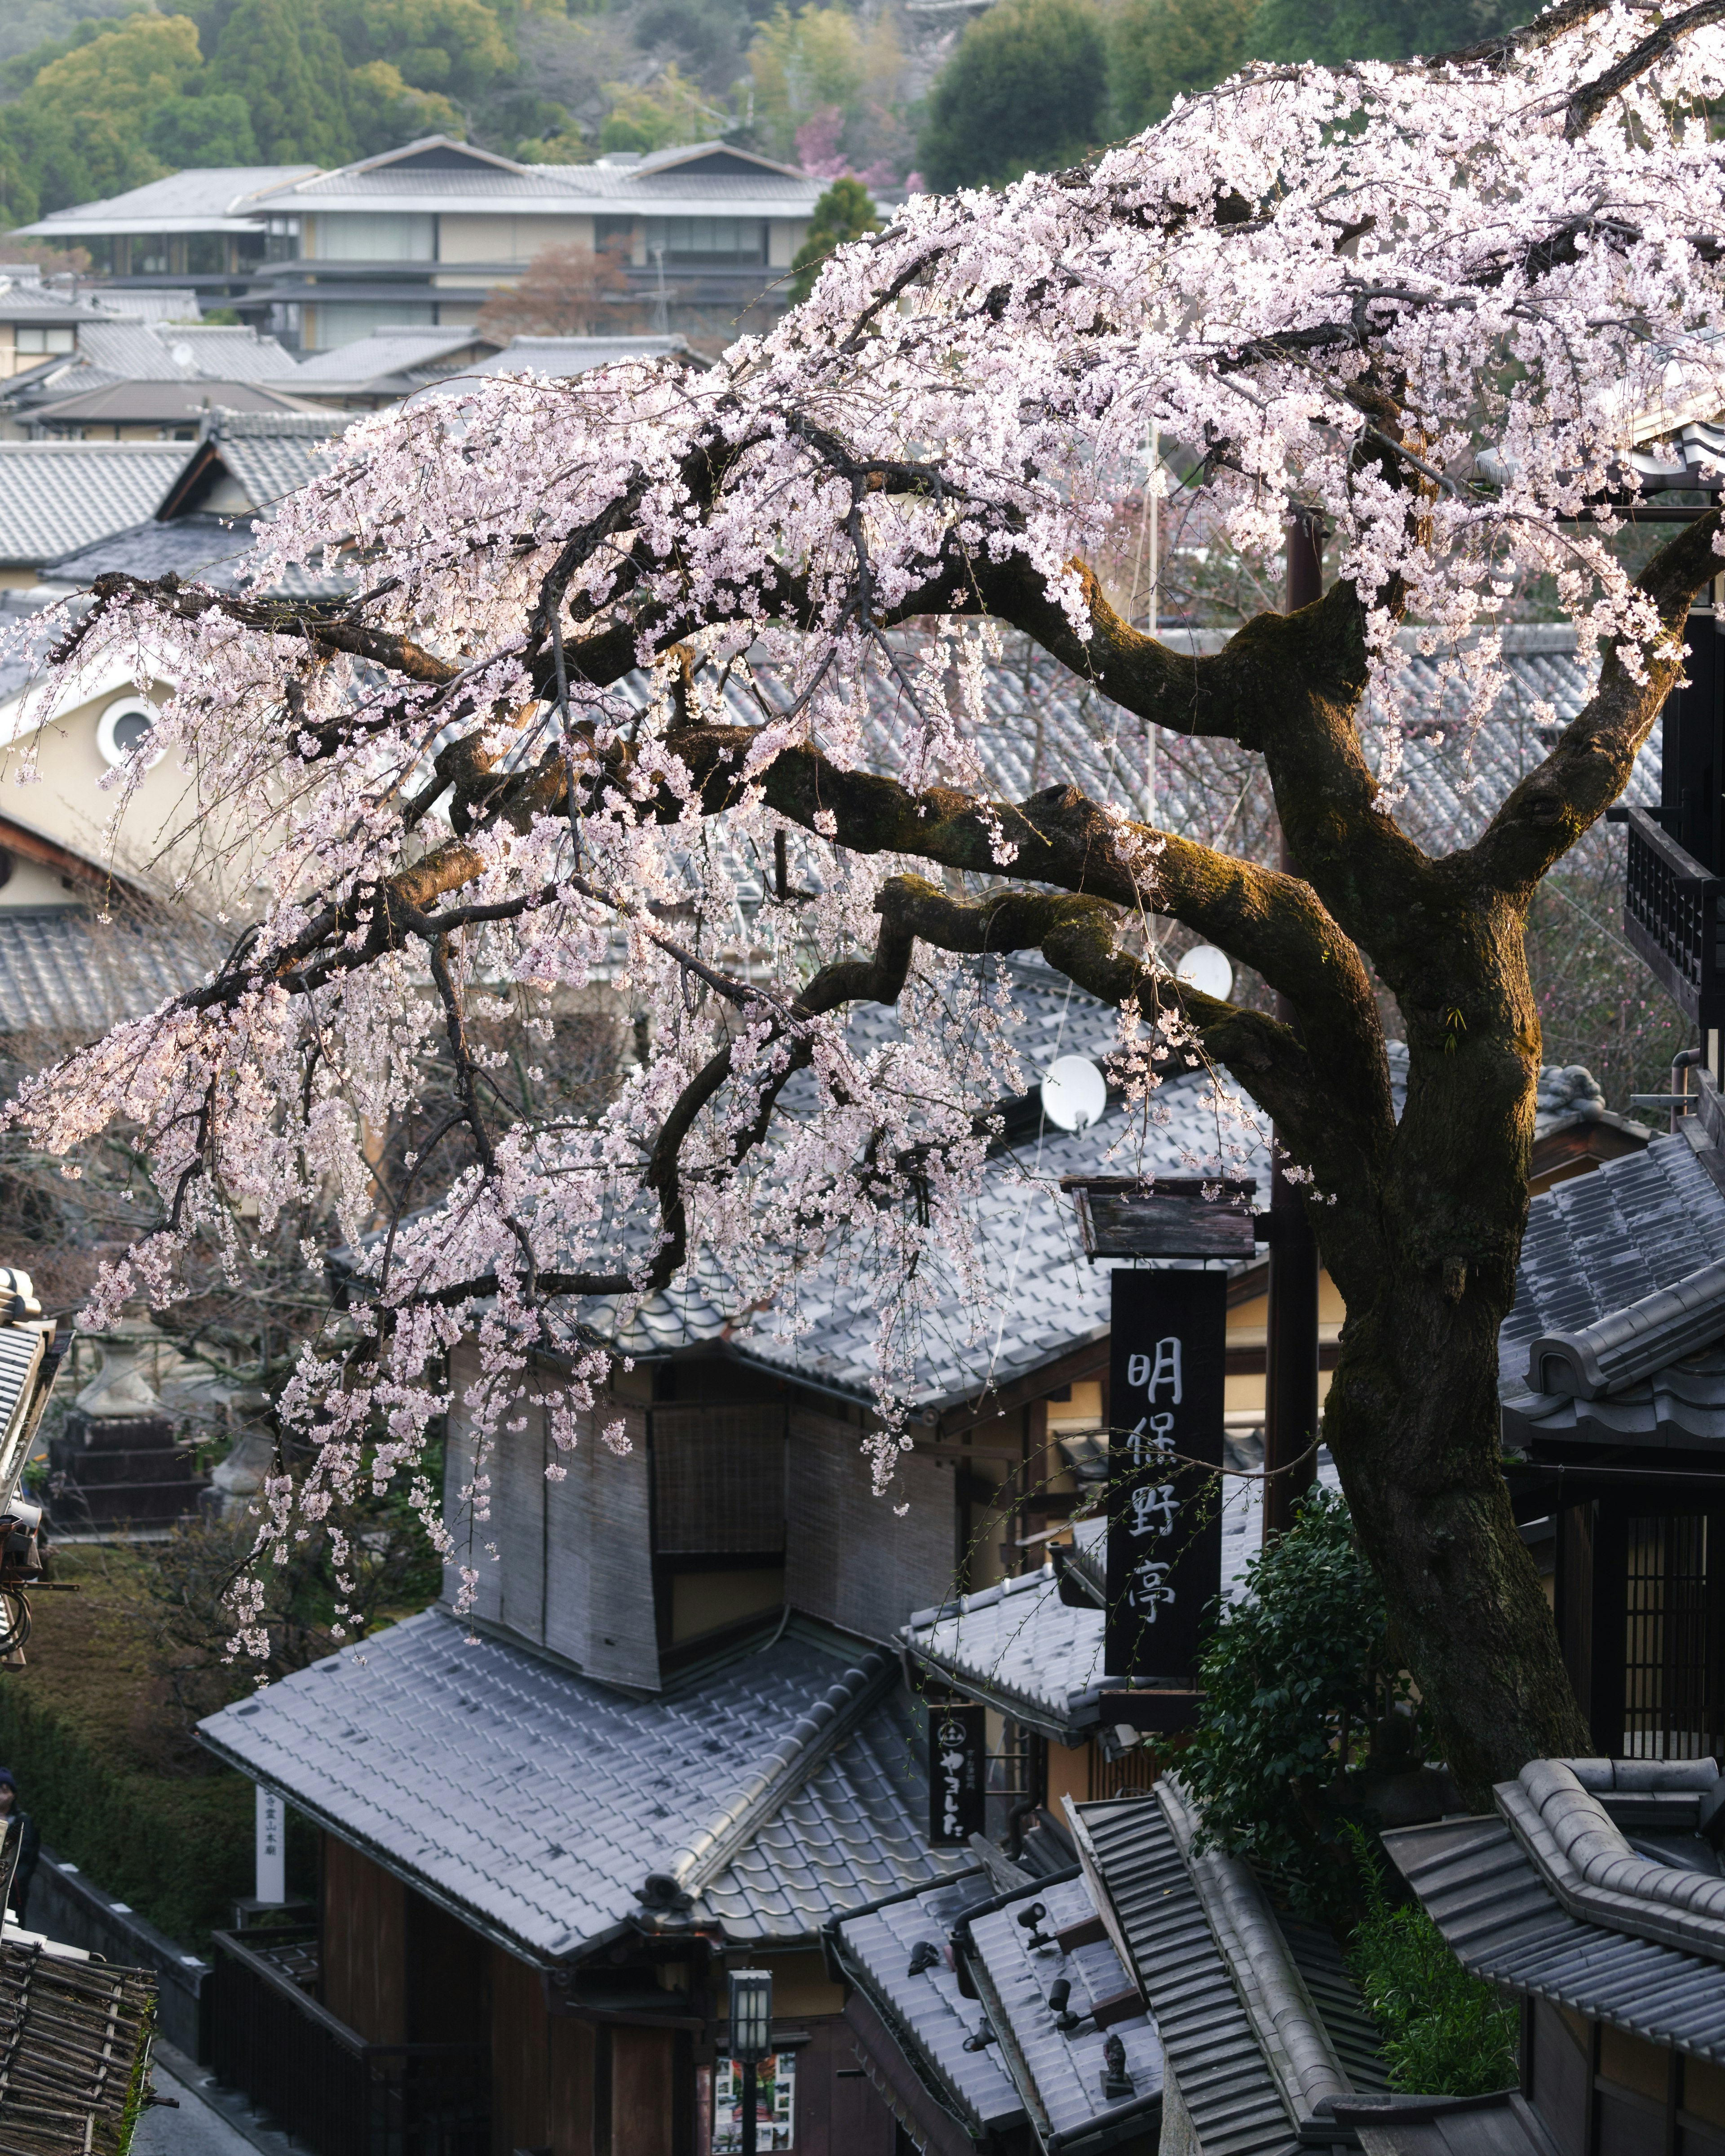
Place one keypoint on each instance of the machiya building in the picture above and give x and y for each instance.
(704, 236)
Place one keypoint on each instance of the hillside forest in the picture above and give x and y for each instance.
(99, 95)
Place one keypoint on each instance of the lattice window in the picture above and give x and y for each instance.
(718, 1480)
(1673, 1669)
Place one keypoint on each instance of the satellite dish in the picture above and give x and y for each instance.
(183, 354)
(1208, 970)
(1074, 1093)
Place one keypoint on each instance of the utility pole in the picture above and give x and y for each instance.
(1291, 1360)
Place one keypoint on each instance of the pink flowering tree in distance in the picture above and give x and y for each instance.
(1422, 302)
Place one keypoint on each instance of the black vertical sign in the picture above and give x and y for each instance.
(957, 1774)
(1167, 1364)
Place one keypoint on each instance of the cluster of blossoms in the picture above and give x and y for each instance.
(593, 625)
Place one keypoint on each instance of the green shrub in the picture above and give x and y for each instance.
(1445, 2033)
(1297, 1677)
(177, 1845)
(843, 213)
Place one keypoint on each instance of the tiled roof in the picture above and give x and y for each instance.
(539, 1804)
(825, 1326)
(1046, 726)
(1034, 1657)
(1020, 1647)
(1212, 2052)
(1595, 1246)
(875, 1948)
(57, 495)
(1061, 2073)
(200, 199)
(385, 354)
(564, 356)
(1494, 1891)
(553, 190)
(24, 298)
(849, 1835)
(269, 467)
(1264, 2035)
(64, 972)
(180, 351)
(155, 403)
(1625, 1843)
(198, 548)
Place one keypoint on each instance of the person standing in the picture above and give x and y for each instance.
(29, 1843)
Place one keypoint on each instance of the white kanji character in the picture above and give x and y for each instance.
(1154, 1506)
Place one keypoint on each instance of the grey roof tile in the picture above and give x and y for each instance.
(930, 2010)
(1032, 1654)
(557, 190)
(57, 495)
(851, 1833)
(1211, 2049)
(201, 198)
(1018, 1647)
(538, 1803)
(1046, 727)
(1597, 1244)
(1487, 1896)
(563, 358)
(183, 352)
(198, 548)
(68, 974)
(1064, 2071)
(384, 355)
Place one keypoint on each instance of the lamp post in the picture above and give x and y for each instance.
(750, 2036)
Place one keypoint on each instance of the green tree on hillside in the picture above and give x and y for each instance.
(203, 130)
(78, 131)
(456, 47)
(1027, 89)
(812, 61)
(386, 112)
(844, 211)
(284, 62)
(1331, 31)
(1164, 48)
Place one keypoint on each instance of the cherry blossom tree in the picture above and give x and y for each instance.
(1424, 303)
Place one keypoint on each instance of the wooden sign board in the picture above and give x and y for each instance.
(1167, 1383)
(958, 1775)
(1174, 1217)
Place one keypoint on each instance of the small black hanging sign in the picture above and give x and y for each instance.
(957, 1774)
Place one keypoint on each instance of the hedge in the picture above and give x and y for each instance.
(106, 1762)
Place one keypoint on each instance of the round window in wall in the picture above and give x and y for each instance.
(122, 727)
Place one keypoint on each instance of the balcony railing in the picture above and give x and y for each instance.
(1672, 918)
(321, 2081)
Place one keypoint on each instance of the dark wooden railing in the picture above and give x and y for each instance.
(1672, 918)
(321, 2081)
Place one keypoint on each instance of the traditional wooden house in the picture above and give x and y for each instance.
(1592, 1893)
(1613, 1413)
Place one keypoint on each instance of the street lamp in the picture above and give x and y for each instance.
(750, 2036)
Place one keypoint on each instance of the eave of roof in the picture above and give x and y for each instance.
(1501, 1919)
(552, 1813)
(1604, 1256)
